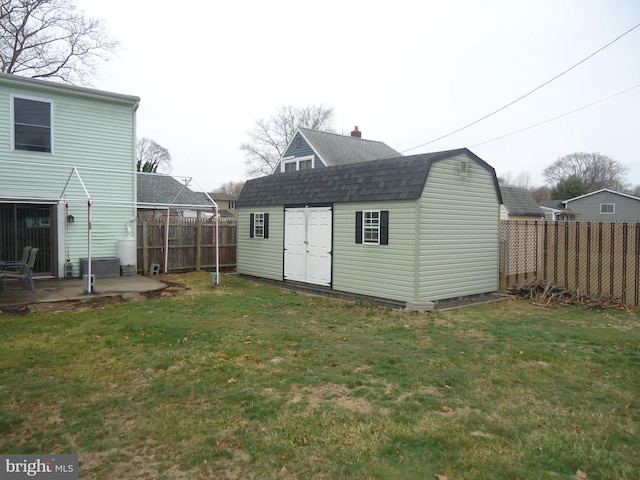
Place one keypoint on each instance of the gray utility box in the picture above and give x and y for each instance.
(101, 267)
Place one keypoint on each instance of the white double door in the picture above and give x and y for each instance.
(307, 245)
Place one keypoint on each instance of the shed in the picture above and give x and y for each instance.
(414, 229)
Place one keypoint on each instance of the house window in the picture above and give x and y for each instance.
(372, 227)
(295, 164)
(305, 165)
(31, 125)
(259, 225)
(608, 208)
(232, 204)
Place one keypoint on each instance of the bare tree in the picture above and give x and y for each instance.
(151, 156)
(52, 39)
(521, 180)
(232, 188)
(540, 193)
(596, 171)
(269, 137)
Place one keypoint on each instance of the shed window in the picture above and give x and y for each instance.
(607, 208)
(259, 225)
(31, 125)
(372, 227)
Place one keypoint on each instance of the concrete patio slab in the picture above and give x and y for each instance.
(50, 291)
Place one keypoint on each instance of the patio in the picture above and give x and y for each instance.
(51, 294)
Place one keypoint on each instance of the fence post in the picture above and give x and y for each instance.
(198, 241)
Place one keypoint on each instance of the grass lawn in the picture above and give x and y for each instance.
(248, 381)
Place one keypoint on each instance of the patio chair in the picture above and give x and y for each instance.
(22, 271)
(23, 259)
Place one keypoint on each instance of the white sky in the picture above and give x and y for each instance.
(406, 72)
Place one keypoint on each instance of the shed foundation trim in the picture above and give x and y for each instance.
(420, 306)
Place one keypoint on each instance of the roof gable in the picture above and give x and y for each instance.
(334, 149)
(164, 190)
(400, 178)
(602, 190)
(519, 202)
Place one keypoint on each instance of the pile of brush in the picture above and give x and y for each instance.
(545, 293)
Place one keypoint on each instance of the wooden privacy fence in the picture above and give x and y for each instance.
(600, 258)
(191, 244)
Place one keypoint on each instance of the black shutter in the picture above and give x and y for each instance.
(266, 225)
(251, 226)
(359, 227)
(384, 227)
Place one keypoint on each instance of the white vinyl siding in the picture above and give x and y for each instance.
(384, 271)
(89, 133)
(458, 241)
(261, 257)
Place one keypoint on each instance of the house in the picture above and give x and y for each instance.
(556, 211)
(309, 149)
(518, 204)
(67, 182)
(157, 193)
(605, 205)
(413, 230)
(227, 203)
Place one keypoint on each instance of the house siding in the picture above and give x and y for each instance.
(588, 208)
(458, 246)
(89, 133)
(384, 271)
(304, 150)
(261, 257)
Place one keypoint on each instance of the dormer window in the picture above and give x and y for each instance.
(295, 164)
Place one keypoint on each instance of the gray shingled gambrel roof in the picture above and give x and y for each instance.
(336, 149)
(400, 178)
(163, 190)
(519, 202)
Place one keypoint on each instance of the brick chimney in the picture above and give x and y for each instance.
(356, 133)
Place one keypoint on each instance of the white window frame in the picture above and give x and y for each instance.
(258, 225)
(371, 227)
(13, 123)
(297, 160)
(613, 209)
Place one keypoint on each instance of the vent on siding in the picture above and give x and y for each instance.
(464, 168)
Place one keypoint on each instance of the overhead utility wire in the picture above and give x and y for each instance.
(556, 117)
(528, 93)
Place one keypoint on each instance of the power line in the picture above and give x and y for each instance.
(556, 117)
(528, 93)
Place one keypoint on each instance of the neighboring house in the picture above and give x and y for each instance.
(226, 202)
(605, 206)
(61, 146)
(157, 193)
(311, 149)
(414, 229)
(518, 204)
(555, 211)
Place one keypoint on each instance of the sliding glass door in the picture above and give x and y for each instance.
(28, 224)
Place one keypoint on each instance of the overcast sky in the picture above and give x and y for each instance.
(404, 72)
